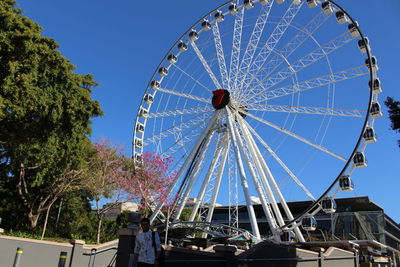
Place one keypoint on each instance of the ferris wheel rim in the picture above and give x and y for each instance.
(360, 138)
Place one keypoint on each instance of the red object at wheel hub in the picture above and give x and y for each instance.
(220, 98)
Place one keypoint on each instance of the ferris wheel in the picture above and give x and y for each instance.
(262, 102)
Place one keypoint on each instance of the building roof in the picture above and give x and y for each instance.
(343, 205)
(351, 204)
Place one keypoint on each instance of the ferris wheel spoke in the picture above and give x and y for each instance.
(253, 43)
(205, 64)
(302, 139)
(192, 78)
(220, 55)
(265, 83)
(312, 83)
(235, 54)
(308, 110)
(188, 96)
(194, 122)
(280, 162)
(189, 159)
(181, 141)
(276, 60)
(180, 112)
(272, 41)
(303, 34)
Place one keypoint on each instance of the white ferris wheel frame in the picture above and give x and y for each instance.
(239, 136)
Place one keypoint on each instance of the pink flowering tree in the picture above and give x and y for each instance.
(118, 178)
(105, 169)
(149, 180)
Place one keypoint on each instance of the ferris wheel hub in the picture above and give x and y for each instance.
(220, 99)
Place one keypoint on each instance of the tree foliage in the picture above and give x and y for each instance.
(394, 113)
(149, 181)
(105, 168)
(72, 218)
(114, 177)
(45, 111)
(46, 157)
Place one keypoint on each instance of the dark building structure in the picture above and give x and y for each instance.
(358, 219)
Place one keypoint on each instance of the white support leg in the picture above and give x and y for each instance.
(277, 191)
(233, 199)
(250, 141)
(207, 179)
(217, 182)
(245, 186)
(264, 202)
(192, 177)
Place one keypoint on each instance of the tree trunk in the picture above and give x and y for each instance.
(59, 212)
(46, 219)
(33, 219)
(99, 229)
(99, 222)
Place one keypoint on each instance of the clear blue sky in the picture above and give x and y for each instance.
(121, 43)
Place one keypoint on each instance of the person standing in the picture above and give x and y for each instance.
(147, 246)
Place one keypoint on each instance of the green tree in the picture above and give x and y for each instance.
(76, 218)
(122, 220)
(45, 111)
(394, 113)
(72, 217)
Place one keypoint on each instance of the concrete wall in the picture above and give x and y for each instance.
(338, 257)
(262, 255)
(269, 254)
(47, 254)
